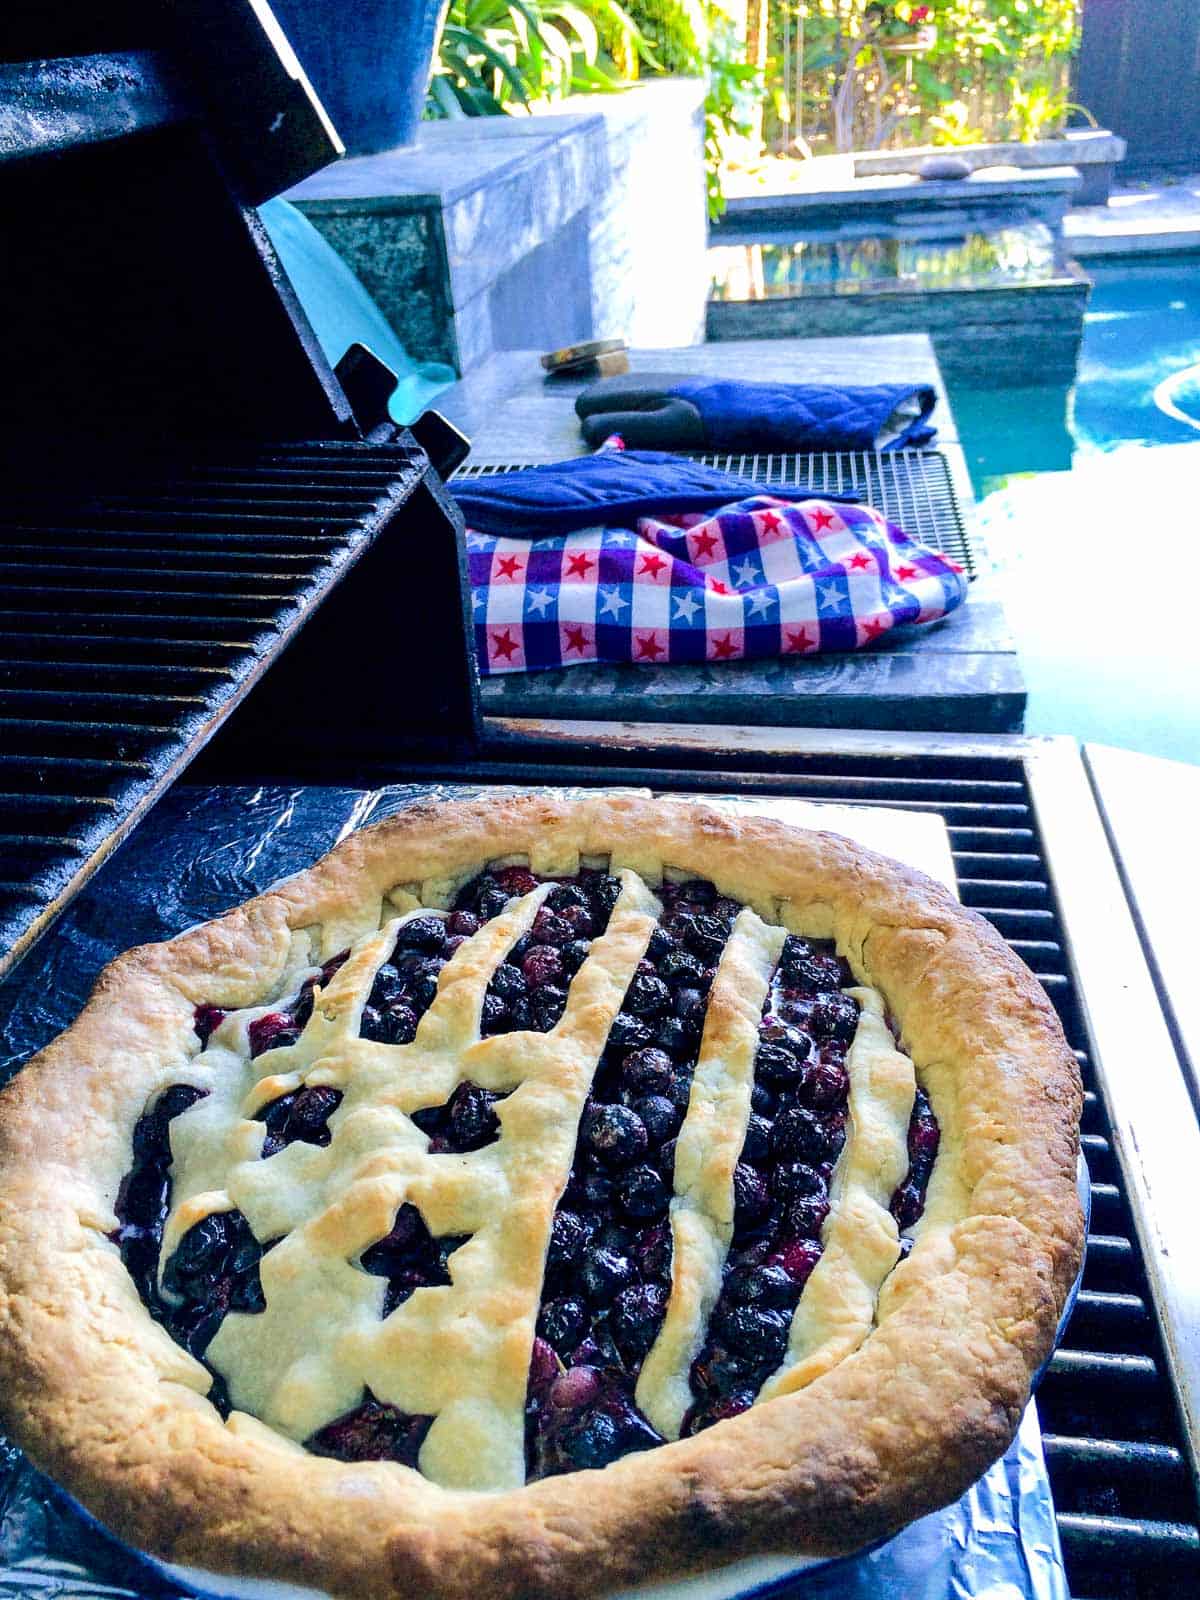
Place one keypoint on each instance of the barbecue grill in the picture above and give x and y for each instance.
(206, 537)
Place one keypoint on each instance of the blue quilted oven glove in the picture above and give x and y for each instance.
(661, 411)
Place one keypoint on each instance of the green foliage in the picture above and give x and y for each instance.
(952, 125)
(993, 69)
(735, 91)
(501, 55)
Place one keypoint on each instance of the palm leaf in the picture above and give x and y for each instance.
(582, 25)
(474, 44)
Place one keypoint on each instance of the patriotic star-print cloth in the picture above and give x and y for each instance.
(762, 577)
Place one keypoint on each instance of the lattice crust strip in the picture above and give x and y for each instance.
(460, 1352)
(861, 1241)
(707, 1151)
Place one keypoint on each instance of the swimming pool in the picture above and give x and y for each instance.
(1138, 380)
(1089, 503)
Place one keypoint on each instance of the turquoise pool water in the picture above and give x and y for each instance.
(1138, 381)
(1089, 501)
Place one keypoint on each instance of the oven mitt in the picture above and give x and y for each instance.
(671, 412)
(612, 489)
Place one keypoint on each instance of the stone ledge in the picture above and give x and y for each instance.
(983, 202)
(500, 231)
(1078, 147)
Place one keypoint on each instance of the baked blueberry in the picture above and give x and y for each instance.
(660, 1117)
(751, 1196)
(509, 981)
(206, 1020)
(569, 1236)
(274, 1031)
(647, 996)
(562, 1322)
(604, 1274)
(616, 1134)
(642, 1193)
(372, 1432)
(647, 1072)
(544, 964)
(766, 1286)
(757, 1146)
(637, 1314)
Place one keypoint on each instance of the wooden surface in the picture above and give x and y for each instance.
(959, 675)
(1150, 808)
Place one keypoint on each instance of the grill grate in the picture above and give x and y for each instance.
(913, 488)
(132, 622)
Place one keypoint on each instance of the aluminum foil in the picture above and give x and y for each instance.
(203, 850)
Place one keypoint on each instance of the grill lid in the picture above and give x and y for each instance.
(142, 297)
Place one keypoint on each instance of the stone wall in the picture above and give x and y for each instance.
(506, 233)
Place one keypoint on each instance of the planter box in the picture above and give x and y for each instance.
(1094, 151)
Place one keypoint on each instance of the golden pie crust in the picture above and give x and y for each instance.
(856, 1440)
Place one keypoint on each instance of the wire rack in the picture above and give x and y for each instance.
(913, 488)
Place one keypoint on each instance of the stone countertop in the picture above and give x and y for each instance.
(511, 411)
(1139, 219)
(960, 674)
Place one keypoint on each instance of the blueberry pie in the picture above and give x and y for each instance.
(537, 1197)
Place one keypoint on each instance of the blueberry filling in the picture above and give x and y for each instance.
(275, 1029)
(608, 1266)
(528, 991)
(215, 1266)
(794, 1135)
(410, 1258)
(144, 1198)
(467, 1121)
(924, 1135)
(405, 985)
(372, 1432)
(301, 1115)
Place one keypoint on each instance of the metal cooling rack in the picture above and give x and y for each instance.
(913, 488)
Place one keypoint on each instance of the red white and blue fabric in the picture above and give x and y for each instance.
(761, 577)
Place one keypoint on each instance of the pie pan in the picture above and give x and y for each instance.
(882, 1421)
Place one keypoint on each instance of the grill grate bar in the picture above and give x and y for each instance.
(138, 540)
(104, 625)
(160, 521)
(1109, 1249)
(1129, 1458)
(1003, 892)
(1149, 1545)
(100, 600)
(69, 649)
(1010, 867)
(210, 562)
